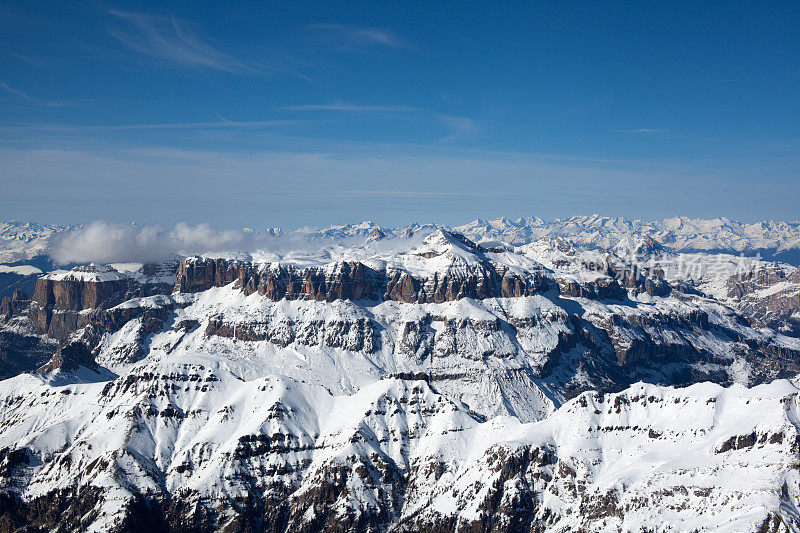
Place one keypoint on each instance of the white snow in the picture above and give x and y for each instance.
(22, 270)
(90, 273)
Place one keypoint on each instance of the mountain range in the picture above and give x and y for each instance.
(589, 374)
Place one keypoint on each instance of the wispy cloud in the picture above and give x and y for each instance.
(166, 39)
(222, 123)
(358, 37)
(25, 96)
(16, 92)
(460, 127)
(26, 59)
(343, 106)
(642, 131)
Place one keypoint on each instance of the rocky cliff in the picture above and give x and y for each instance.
(357, 281)
(65, 301)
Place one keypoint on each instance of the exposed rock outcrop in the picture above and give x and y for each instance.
(16, 305)
(768, 296)
(354, 281)
(65, 302)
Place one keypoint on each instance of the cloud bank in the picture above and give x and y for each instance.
(106, 242)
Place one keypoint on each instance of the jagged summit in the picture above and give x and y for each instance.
(639, 246)
(446, 239)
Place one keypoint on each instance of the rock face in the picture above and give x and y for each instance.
(16, 305)
(71, 312)
(352, 281)
(88, 287)
(349, 280)
(73, 355)
(596, 290)
(479, 277)
(65, 302)
(769, 296)
(59, 299)
(20, 352)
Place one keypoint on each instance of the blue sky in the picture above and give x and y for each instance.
(293, 114)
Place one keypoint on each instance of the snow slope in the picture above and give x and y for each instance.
(397, 455)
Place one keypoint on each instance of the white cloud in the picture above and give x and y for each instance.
(107, 242)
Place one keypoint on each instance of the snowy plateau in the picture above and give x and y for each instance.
(582, 374)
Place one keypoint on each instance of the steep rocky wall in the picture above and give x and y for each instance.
(356, 281)
(58, 306)
(76, 295)
(61, 304)
(769, 297)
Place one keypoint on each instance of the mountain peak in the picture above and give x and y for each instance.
(638, 245)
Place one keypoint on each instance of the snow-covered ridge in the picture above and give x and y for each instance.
(20, 270)
(682, 234)
(677, 233)
(88, 273)
(29, 231)
(397, 455)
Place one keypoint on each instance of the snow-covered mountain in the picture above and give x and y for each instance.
(198, 446)
(20, 241)
(771, 239)
(677, 233)
(406, 380)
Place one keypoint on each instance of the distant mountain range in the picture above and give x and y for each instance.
(776, 240)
